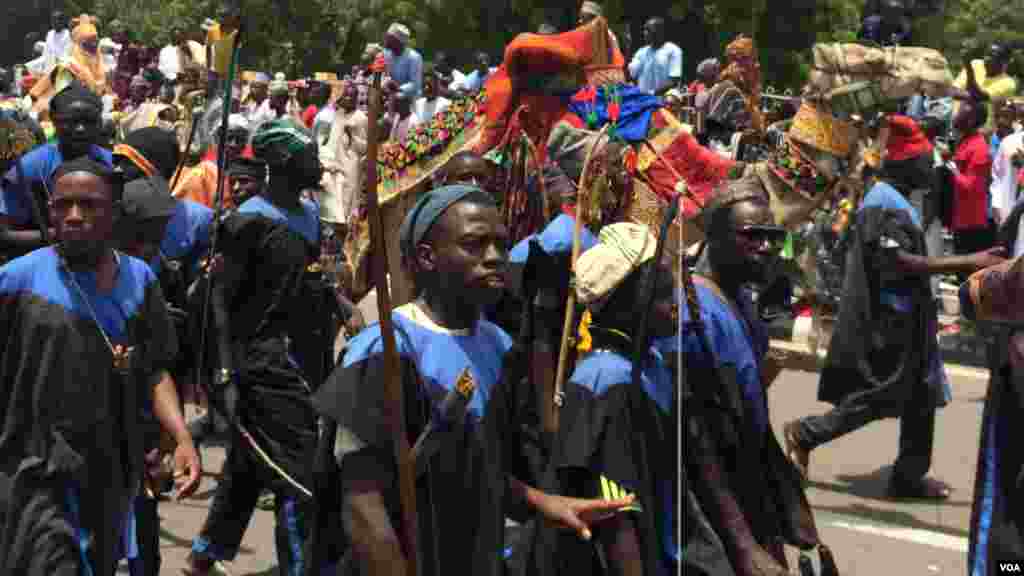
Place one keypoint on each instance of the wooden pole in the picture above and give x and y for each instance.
(394, 409)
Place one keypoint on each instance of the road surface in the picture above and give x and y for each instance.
(870, 535)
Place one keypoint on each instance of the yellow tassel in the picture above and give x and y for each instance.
(584, 342)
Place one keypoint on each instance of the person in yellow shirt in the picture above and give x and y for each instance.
(990, 79)
(220, 43)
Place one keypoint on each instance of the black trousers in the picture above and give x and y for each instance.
(234, 503)
(973, 240)
(917, 430)
(147, 531)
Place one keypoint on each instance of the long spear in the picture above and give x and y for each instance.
(394, 408)
(550, 412)
(261, 454)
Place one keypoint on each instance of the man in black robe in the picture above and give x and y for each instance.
(270, 312)
(87, 339)
(997, 521)
(453, 242)
(883, 360)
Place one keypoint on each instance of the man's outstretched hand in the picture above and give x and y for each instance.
(578, 514)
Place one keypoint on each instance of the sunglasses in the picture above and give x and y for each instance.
(760, 233)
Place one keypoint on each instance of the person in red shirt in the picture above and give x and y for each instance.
(971, 171)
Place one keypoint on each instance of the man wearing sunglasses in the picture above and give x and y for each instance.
(728, 363)
(25, 188)
(883, 360)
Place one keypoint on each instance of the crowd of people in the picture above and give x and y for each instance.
(131, 248)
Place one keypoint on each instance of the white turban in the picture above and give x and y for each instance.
(400, 31)
(279, 85)
(622, 247)
(237, 122)
(592, 8)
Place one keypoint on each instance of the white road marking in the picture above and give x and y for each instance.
(913, 535)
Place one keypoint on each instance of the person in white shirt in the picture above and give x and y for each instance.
(474, 81)
(58, 41)
(259, 89)
(658, 66)
(425, 108)
(37, 67)
(1004, 190)
(175, 56)
(343, 159)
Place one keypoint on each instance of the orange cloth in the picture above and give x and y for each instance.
(536, 65)
(199, 184)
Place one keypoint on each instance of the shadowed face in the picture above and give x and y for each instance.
(746, 242)
(78, 126)
(82, 210)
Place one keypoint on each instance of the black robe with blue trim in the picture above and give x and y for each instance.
(68, 421)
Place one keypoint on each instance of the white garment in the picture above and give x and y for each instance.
(654, 70)
(424, 110)
(457, 79)
(109, 62)
(264, 113)
(342, 159)
(322, 124)
(473, 81)
(37, 67)
(170, 62)
(1003, 190)
(58, 47)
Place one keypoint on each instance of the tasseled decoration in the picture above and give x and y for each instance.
(584, 340)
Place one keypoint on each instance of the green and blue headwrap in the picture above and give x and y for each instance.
(278, 141)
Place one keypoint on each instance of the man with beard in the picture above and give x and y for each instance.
(744, 499)
(658, 66)
(87, 333)
(24, 189)
(883, 360)
(453, 243)
(270, 317)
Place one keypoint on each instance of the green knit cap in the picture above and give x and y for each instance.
(276, 142)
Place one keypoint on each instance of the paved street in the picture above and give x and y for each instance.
(869, 535)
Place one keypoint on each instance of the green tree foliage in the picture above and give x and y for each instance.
(305, 36)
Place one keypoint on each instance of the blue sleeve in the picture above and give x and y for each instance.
(203, 223)
(14, 195)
